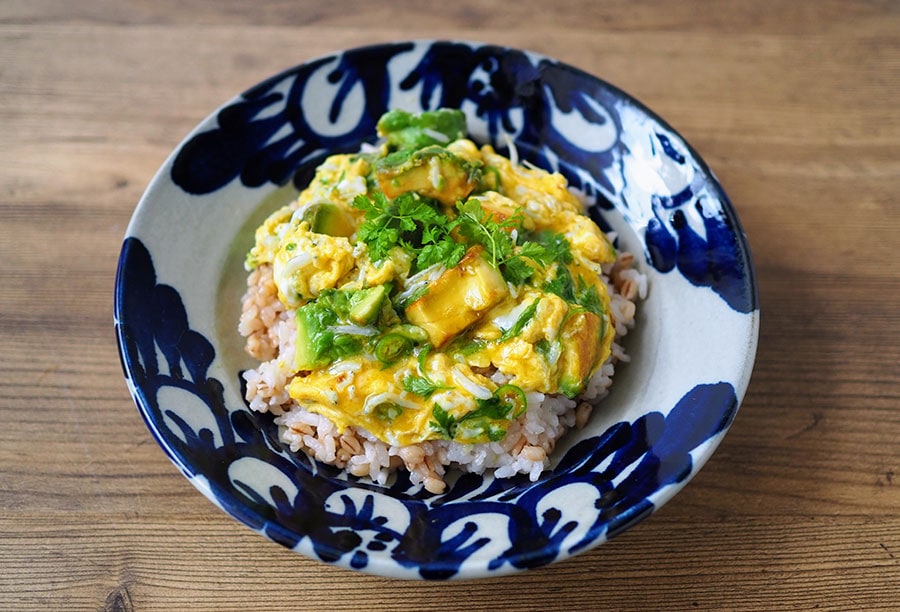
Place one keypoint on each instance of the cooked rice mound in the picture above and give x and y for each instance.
(428, 304)
(270, 328)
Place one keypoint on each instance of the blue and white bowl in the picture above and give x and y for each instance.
(177, 304)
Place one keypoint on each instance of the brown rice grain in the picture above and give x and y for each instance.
(533, 453)
(434, 485)
(358, 469)
(412, 455)
(629, 289)
(583, 414)
(351, 443)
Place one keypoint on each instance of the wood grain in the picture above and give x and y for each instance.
(794, 105)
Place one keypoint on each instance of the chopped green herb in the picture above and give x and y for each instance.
(543, 347)
(411, 222)
(546, 246)
(463, 345)
(479, 227)
(388, 411)
(589, 298)
(439, 250)
(543, 247)
(562, 284)
(402, 303)
(577, 292)
(443, 423)
(489, 420)
(521, 321)
(507, 401)
(421, 385)
(517, 270)
(423, 355)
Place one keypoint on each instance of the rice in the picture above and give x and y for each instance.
(269, 328)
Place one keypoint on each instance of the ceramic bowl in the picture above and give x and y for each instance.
(180, 277)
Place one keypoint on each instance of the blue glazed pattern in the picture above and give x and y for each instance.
(660, 445)
(500, 83)
(265, 136)
(559, 118)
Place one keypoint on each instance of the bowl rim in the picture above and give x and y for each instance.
(233, 505)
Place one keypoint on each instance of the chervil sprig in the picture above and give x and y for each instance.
(410, 222)
(500, 242)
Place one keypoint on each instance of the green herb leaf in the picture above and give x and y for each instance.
(562, 284)
(517, 270)
(388, 411)
(521, 321)
(421, 385)
(543, 347)
(490, 419)
(443, 423)
(478, 227)
(464, 346)
(445, 251)
(545, 247)
(411, 222)
(491, 408)
(589, 298)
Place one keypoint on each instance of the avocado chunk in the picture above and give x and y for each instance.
(405, 130)
(307, 352)
(458, 298)
(433, 172)
(365, 305)
(580, 341)
(328, 218)
(316, 343)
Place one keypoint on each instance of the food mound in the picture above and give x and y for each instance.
(427, 304)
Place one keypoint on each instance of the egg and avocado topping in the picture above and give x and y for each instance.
(436, 284)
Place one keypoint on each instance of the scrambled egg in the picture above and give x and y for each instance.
(447, 352)
(307, 263)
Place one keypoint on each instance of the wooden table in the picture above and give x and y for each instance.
(794, 105)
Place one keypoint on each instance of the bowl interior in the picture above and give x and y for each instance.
(181, 276)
